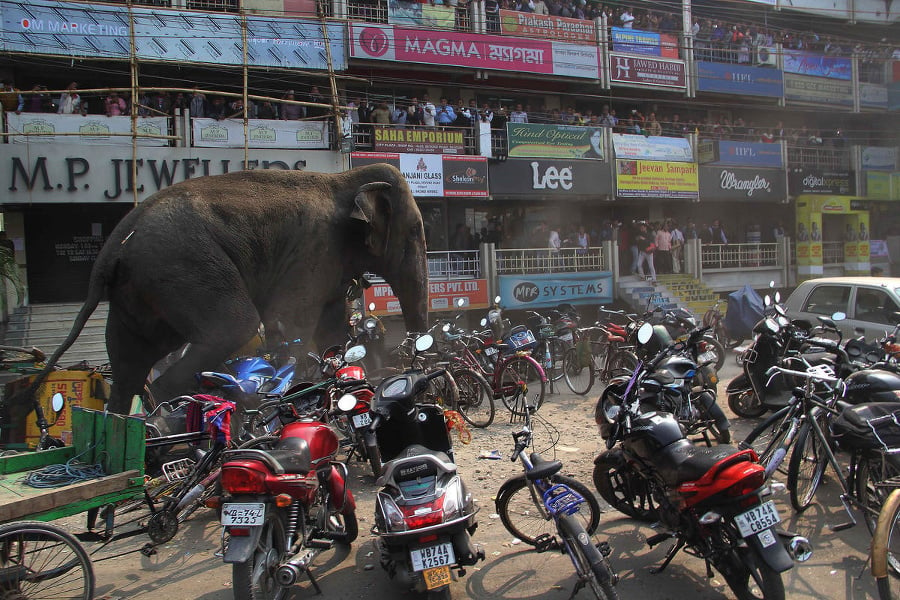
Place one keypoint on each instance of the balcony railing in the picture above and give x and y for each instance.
(739, 256)
(819, 157)
(832, 253)
(454, 264)
(542, 260)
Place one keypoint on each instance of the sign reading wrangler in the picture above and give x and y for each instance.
(734, 183)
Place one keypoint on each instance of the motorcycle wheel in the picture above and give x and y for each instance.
(522, 510)
(624, 490)
(373, 453)
(717, 347)
(476, 400)
(255, 579)
(749, 577)
(590, 565)
(806, 468)
(746, 404)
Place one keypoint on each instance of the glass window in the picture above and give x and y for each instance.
(874, 306)
(828, 299)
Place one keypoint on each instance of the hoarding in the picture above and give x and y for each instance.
(740, 154)
(652, 147)
(518, 179)
(554, 141)
(434, 175)
(657, 179)
(817, 65)
(817, 90)
(549, 290)
(724, 78)
(419, 140)
(261, 133)
(577, 31)
(442, 295)
(647, 43)
(94, 130)
(734, 183)
(641, 72)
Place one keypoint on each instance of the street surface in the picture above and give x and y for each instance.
(188, 567)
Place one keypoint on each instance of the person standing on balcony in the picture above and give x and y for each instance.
(382, 114)
(429, 113)
(415, 113)
(627, 20)
(198, 105)
(518, 115)
(291, 112)
(114, 105)
(10, 98)
(445, 114)
(70, 101)
(398, 116)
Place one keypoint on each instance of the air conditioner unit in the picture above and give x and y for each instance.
(765, 55)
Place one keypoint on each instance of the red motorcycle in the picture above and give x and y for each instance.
(284, 505)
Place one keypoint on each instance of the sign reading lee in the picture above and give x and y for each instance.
(415, 140)
(641, 71)
(442, 295)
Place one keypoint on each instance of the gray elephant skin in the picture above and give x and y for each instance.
(206, 260)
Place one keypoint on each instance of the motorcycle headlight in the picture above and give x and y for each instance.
(393, 518)
(370, 324)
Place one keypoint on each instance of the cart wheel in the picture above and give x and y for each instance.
(162, 526)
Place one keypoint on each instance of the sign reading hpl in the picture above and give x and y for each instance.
(442, 295)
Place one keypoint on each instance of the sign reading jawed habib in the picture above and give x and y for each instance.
(422, 141)
(632, 70)
(822, 182)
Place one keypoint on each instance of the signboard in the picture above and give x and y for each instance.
(726, 78)
(656, 179)
(640, 71)
(434, 175)
(733, 183)
(820, 182)
(418, 140)
(879, 158)
(425, 15)
(647, 43)
(817, 65)
(554, 141)
(518, 179)
(76, 29)
(262, 133)
(818, 90)
(531, 25)
(873, 95)
(474, 51)
(652, 147)
(96, 130)
(881, 185)
(740, 154)
(442, 295)
(549, 290)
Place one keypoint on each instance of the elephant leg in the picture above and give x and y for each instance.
(131, 357)
(332, 326)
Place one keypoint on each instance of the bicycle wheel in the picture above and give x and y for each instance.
(886, 549)
(590, 565)
(767, 437)
(871, 470)
(41, 561)
(476, 400)
(522, 512)
(442, 391)
(579, 376)
(805, 470)
(621, 363)
(520, 380)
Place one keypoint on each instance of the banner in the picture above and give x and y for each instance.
(545, 291)
(652, 147)
(416, 14)
(817, 65)
(807, 181)
(262, 133)
(418, 140)
(739, 79)
(882, 185)
(474, 51)
(632, 70)
(102, 30)
(879, 158)
(517, 179)
(733, 183)
(554, 141)
(577, 31)
(818, 90)
(873, 95)
(434, 175)
(442, 295)
(95, 130)
(657, 179)
(648, 43)
(740, 154)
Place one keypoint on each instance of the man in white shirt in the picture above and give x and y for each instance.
(430, 111)
(518, 115)
(627, 19)
(677, 247)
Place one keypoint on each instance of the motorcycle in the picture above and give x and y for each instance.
(252, 377)
(368, 330)
(713, 501)
(284, 505)
(424, 515)
(678, 322)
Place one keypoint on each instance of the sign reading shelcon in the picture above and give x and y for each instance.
(657, 179)
(434, 175)
(397, 44)
(640, 71)
(442, 295)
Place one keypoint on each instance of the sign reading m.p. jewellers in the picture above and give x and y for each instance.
(523, 178)
(734, 183)
(805, 181)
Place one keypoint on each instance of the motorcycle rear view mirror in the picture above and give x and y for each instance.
(767, 300)
(771, 284)
(424, 343)
(371, 306)
(777, 297)
(645, 333)
(838, 316)
(346, 402)
(771, 325)
(57, 403)
(355, 353)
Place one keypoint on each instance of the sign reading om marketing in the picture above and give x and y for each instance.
(514, 22)
(652, 147)
(554, 141)
(549, 290)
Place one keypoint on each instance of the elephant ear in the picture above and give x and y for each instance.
(372, 206)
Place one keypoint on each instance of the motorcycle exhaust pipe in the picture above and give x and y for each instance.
(799, 548)
(289, 572)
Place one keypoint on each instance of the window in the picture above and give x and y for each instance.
(875, 306)
(828, 299)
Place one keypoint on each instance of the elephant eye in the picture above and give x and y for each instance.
(415, 232)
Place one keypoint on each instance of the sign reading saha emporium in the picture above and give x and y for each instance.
(423, 141)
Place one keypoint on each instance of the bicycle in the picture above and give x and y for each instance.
(599, 355)
(715, 320)
(551, 348)
(540, 502)
(885, 553)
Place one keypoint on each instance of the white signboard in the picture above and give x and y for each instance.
(652, 147)
(263, 133)
(94, 130)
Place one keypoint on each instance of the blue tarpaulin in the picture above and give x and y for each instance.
(745, 309)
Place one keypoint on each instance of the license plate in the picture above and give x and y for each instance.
(439, 555)
(566, 337)
(437, 577)
(249, 514)
(362, 420)
(490, 351)
(758, 518)
(708, 356)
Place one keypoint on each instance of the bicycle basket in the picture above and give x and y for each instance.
(521, 338)
(562, 499)
(874, 426)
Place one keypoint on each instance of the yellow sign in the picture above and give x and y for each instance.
(656, 179)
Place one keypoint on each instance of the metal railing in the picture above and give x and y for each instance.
(832, 253)
(819, 157)
(376, 11)
(454, 264)
(543, 260)
(738, 256)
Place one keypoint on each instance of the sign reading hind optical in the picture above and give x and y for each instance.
(534, 178)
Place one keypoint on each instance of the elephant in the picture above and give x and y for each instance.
(207, 260)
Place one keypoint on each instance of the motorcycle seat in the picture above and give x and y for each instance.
(541, 468)
(290, 456)
(683, 461)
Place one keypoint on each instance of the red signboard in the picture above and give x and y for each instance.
(442, 296)
(641, 71)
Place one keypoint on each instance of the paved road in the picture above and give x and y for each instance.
(188, 567)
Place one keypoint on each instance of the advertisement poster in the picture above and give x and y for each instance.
(474, 51)
(417, 14)
(96, 130)
(648, 43)
(740, 154)
(657, 179)
(817, 65)
(554, 141)
(724, 78)
(735, 183)
(578, 31)
(517, 179)
(818, 90)
(434, 175)
(652, 147)
(442, 295)
(544, 291)
(262, 133)
(805, 181)
(419, 140)
(641, 71)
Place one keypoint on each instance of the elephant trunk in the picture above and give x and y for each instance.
(410, 286)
